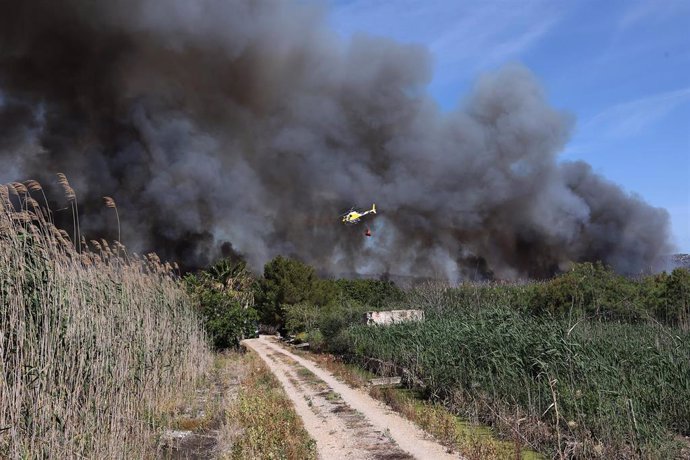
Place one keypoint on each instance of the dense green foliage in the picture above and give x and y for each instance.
(593, 289)
(374, 293)
(587, 364)
(290, 294)
(609, 354)
(290, 290)
(224, 298)
(321, 325)
(667, 297)
(289, 282)
(624, 386)
(590, 290)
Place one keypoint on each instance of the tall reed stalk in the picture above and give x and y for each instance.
(92, 342)
(110, 203)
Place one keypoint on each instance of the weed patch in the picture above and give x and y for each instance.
(266, 419)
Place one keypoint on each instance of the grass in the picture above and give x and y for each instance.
(589, 363)
(332, 396)
(586, 389)
(264, 419)
(473, 441)
(203, 409)
(94, 340)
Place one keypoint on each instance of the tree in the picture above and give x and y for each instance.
(286, 282)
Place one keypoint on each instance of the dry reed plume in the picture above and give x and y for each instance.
(92, 341)
(110, 203)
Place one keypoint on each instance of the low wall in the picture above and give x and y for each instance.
(392, 316)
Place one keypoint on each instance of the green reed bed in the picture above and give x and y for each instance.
(567, 388)
(92, 342)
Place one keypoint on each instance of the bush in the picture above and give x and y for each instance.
(667, 296)
(302, 317)
(224, 297)
(325, 322)
(316, 340)
(589, 289)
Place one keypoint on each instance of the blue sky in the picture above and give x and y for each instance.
(622, 68)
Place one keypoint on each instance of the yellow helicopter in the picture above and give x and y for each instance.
(353, 217)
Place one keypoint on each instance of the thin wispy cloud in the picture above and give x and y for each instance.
(633, 117)
(652, 11)
(494, 32)
(643, 28)
(464, 37)
(514, 46)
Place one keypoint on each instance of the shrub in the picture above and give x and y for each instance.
(589, 289)
(302, 317)
(316, 339)
(667, 296)
(324, 323)
(223, 295)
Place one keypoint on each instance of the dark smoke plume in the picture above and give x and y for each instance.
(249, 122)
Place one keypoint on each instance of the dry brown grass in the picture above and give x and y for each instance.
(92, 341)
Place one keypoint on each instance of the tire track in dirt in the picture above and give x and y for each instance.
(345, 422)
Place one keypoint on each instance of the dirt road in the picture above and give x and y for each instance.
(345, 422)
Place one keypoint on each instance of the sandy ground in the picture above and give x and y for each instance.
(345, 422)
